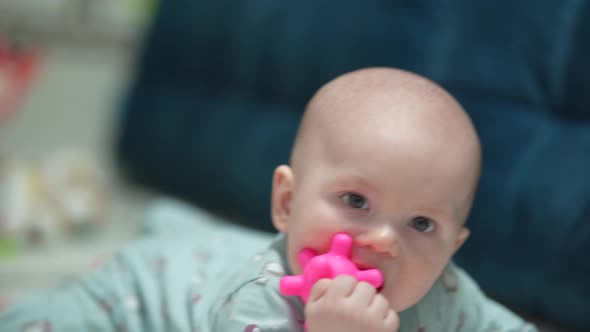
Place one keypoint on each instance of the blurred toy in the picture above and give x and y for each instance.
(45, 201)
(334, 263)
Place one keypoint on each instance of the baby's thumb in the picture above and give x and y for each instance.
(319, 289)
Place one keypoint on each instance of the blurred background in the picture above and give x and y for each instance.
(64, 67)
(106, 105)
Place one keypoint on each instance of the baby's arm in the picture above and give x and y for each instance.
(136, 290)
(101, 301)
(54, 310)
(257, 306)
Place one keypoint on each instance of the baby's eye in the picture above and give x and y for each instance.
(422, 224)
(355, 201)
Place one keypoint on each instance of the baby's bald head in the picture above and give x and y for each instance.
(407, 112)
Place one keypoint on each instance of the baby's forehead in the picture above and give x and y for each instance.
(389, 118)
(384, 109)
(382, 97)
(384, 119)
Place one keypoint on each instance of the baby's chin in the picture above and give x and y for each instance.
(399, 305)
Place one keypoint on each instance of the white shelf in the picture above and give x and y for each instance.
(73, 104)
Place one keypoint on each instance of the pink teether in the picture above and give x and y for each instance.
(329, 265)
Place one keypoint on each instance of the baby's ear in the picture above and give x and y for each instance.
(282, 194)
(463, 235)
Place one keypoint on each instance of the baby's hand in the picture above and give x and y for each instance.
(347, 305)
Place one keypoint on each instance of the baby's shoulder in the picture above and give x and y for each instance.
(251, 294)
(456, 302)
(264, 268)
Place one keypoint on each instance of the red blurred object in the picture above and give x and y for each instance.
(18, 68)
(4, 302)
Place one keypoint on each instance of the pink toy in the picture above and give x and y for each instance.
(329, 265)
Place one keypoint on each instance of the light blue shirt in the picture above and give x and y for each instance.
(200, 278)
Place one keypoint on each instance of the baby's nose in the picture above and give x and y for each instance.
(381, 239)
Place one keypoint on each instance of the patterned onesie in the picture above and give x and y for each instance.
(200, 278)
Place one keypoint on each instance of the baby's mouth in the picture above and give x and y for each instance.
(364, 267)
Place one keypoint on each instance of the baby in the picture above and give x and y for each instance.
(392, 159)
(384, 155)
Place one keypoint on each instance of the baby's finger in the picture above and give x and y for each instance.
(380, 306)
(363, 294)
(342, 286)
(391, 320)
(319, 290)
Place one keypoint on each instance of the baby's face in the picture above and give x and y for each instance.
(405, 219)
(396, 171)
